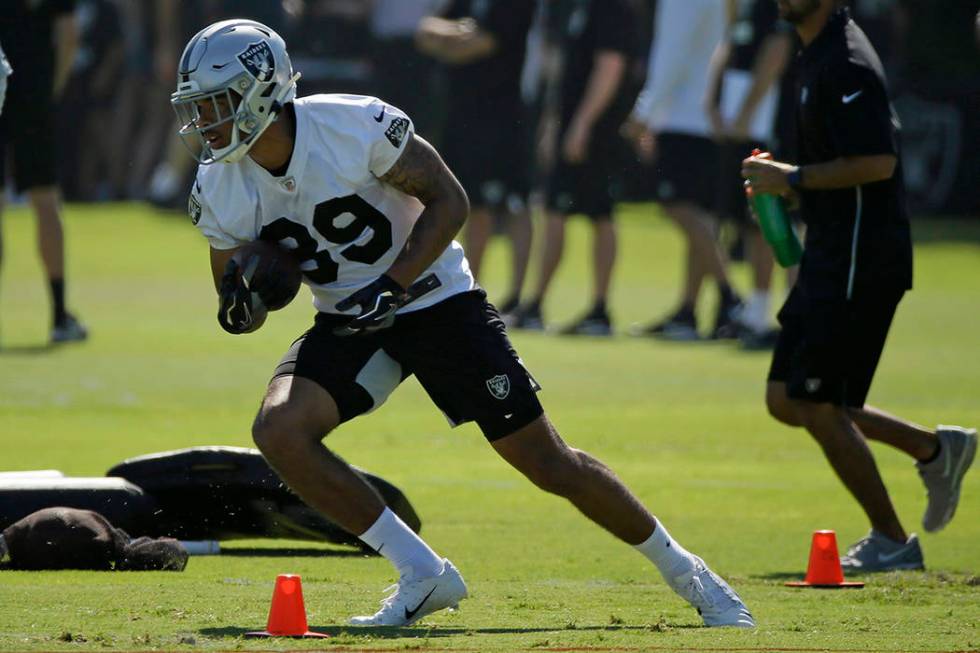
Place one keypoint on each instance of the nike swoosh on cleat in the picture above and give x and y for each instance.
(885, 558)
(411, 613)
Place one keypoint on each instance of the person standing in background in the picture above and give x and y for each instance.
(741, 105)
(856, 267)
(670, 110)
(403, 75)
(596, 42)
(40, 40)
(483, 45)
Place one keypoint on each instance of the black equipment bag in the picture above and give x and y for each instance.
(118, 500)
(223, 493)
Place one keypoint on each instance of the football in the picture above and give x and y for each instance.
(270, 271)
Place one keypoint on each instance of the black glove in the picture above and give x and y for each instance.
(239, 309)
(379, 301)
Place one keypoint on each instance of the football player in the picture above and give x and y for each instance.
(370, 210)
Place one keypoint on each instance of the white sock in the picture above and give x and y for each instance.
(756, 312)
(670, 557)
(393, 539)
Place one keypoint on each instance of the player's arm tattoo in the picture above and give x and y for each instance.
(421, 173)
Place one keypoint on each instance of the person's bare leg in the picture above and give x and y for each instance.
(50, 234)
(538, 452)
(552, 248)
(296, 414)
(603, 257)
(761, 259)
(520, 231)
(917, 441)
(704, 256)
(847, 451)
(479, 228)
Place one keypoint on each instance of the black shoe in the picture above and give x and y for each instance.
(528, 317)
(508, 306)
(69, 330)
(764, 340)
(727, 326)
(596, 323)
(681, 326)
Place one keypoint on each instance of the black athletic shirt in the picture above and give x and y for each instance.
(27, 34)
(492, 86)
(858, 239)
(754, 21)
(589, 27)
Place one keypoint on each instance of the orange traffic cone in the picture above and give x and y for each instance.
(287, 615)
(824, 570)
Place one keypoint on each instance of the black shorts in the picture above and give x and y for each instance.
(686, 169)
(828, 350)
(730, 201)
(488, 154)
(27, 134)
(457, 349)
(590, 188)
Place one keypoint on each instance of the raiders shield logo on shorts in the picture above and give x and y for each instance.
(257, 59)
(499, 386)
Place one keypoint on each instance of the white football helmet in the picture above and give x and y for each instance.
(242, 68)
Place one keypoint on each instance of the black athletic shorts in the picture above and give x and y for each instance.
(828, 350)
(488, 154)
(458, 350)
(592, 187)
(731, 203)
(686, 169)
(27, 134)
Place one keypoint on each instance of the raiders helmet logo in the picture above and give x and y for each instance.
(499, 386)
(258, 60)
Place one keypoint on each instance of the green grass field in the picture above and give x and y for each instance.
(683, 424)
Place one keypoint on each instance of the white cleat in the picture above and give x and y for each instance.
(411, 599)
(943, 477)
(716, 602)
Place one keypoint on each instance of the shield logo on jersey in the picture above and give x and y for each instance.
(258, 60)
(194, 209)
(396, 131)
(812, 385)
(499, 386)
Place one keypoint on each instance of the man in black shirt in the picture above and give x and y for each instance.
(856, 266)
(483, 45)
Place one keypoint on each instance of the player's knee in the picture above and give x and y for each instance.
(279, 432)
(782, 408)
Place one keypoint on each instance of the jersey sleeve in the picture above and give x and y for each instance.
(386, 138)
(859, 117)
(204, 218)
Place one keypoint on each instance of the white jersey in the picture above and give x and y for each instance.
(344, 225)
(686, 33)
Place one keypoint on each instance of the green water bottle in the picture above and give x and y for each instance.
(776, 226)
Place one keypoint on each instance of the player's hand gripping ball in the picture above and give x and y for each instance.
(259, 277)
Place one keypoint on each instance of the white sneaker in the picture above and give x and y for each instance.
(944, 475)
(411, 599)
(715, 601)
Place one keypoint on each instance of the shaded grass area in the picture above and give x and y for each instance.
(684, 425)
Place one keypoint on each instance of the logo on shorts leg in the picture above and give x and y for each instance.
(499, 386)
(812, 385)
